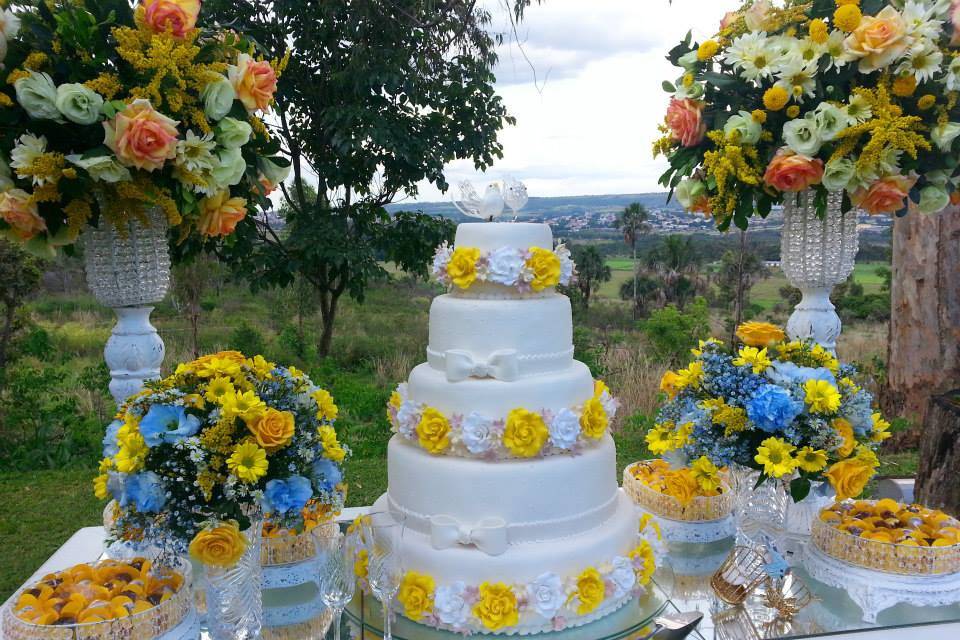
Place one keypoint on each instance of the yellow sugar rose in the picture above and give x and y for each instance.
(545, 266)
(845, 429)
(497, 606)
(878, 40)
(644, 551)
(760, 334)
(593, 420)
(525, 433)
(416, 594)
(433, 431)
(462, 267)
(849, 477)
(590, 591)
(326, 408)
(599, 388)
(219, 546)
(273, 430)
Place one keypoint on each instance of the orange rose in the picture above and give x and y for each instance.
(955, 23)
(176, 16)
(141, 136)
(792, 172)
(254, 81)
(886, 195)
(19, 210)
(219, 214)
(273, 430)
(685, 120)
(878, 40)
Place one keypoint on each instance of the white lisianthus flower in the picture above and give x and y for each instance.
(218, 97)
(450, 604)
(744, 127)
(564, 429)
(195, 153)
(102, 168)
(623, 576)
(273, 172)
(689, 191)
(27, 148)
(505, 266)
(688, 61)
(952, 77)
(545, 594)
(9, 24)
(694, 91)
(230, 169)
(568, 270)
(943, 135)
(408, 416)
(78, 103)
(233, 133)
(933, 199)
(838, 173)
(831, 120)
(37, 95)
(477, 433)
(802, 136)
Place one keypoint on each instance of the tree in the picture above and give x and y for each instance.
(377, 97)
(739, 271)
(633, 223)
(19, 277)
(672, 333)
(592, 271)
(647, 289)
(191, 280)
(676, 263)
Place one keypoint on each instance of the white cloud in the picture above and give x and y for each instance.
(588, 125)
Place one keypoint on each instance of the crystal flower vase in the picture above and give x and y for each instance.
(234, 601)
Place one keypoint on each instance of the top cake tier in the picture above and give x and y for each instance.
(503, 260)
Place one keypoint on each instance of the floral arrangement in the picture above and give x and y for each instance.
(223, 436)
(522, 434)
(890, 521)
(789, 409)
(554, 599)
(109, 110)
(535, 269)
(700, 479)
(856, 97)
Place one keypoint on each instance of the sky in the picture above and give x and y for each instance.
(586, 125)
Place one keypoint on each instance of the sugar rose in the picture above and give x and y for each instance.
(416, 595)
(219, 546)
(497, 607)
(254, 81)
(176, 16)
(525, 433)
(594, 420)
(142, 137)
(878, 40)
(433, 431)
(685, 121)
(273, 430)
(590, 591)
(791, 172)
(219, 214)
(887, 195)
(19, 210)
(462, 267)
(545, 266)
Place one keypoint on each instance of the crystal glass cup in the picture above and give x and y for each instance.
(382, 533)
(335, 557)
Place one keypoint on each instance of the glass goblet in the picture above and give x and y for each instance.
(335, 556)
(383, 533)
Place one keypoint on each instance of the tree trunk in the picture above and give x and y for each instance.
(923, 356)
(328, 313)
(937, 479)
(738, 297)
(636, 303)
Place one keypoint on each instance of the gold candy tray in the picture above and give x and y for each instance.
(700, 509)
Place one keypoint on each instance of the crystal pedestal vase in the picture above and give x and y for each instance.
(128, 269)
(816, 255)
(758, 511)
(234, 594)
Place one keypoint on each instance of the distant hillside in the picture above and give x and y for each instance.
(546, 208)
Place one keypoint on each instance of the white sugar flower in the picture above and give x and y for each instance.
(564, 429)
(545, 594)
(440, 260)
(609, 403)
(450, 604)
(27, 149)
(802, 136)
(623, 576)
(477, 433)
(567, 266)
(195, 153)
(798, 79)
(504, 266)
(922, 61)
(408, 416)
(752, 54)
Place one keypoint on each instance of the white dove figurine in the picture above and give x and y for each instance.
(514, 194)
(492, 205)
(471, 204)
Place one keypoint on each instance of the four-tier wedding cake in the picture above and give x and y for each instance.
(502, 465)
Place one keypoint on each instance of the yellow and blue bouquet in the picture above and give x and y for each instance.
(109, 109)
(787, 408)
(223, 434)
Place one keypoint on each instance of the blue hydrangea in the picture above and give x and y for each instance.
(285, 496)
(144, 491)
(326, 474)
(772, 408)
(165, 423)
(782, 372)
(858, 409)
(110, 446)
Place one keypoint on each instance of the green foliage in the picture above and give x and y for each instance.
(19, 277)
(247, 339)
(673, 333)
(592, 271)
(588, 350)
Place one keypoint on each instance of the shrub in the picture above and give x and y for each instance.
(672, 333)
(247, 339)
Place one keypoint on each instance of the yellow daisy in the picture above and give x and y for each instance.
(811, 460)
(774, 455)
(821, 396)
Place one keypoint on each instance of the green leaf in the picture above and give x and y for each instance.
(668, 87)
(799, 488)
(719, 80)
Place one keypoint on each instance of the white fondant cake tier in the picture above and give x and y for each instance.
(539, 330)
(495, 398)
(556, 497)
(489, 236)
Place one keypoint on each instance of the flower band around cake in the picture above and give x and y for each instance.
(522, 434)
(528, 270)
(505, 365)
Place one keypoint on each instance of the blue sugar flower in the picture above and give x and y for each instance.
(326, 474)
(166, 423)
(283, 496)
(145, 491)
(771, 408)
(110, 446)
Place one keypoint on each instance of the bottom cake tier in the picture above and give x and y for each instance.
(532, 587)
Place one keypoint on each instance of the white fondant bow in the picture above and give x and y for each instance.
(502, 365)
(488, 535)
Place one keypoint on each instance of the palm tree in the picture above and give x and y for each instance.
(633, 223)
(677, 263)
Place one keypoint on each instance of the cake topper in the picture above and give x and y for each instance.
(509, 192)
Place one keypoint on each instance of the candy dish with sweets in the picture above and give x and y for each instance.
(109, 599)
